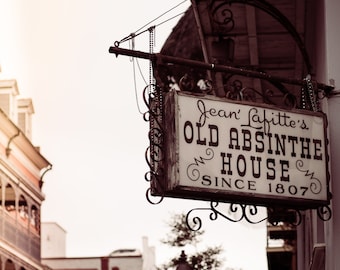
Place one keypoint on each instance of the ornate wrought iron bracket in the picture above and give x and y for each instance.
(234, 90)
(159, 59)
(251, 214)
(155, 152)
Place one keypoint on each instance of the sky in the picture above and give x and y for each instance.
(88, 124)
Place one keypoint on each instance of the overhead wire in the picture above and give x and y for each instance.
(171, 9)
(137, 32)
(132, 37)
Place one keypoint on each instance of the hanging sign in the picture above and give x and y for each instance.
(220, 150)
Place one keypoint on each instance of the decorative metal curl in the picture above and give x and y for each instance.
(315, 184)
(148, 196)
(186, 83)
(196, 85)
(290, 100)
(150, 92)
(324, 213)
(240, 212)
(223, 18)
(289, 216)
(249, 94)
(154, 154)
(195, 224)
(156, 134)
(235, 90)
(243, 212)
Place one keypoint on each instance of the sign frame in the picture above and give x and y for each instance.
(169, 168)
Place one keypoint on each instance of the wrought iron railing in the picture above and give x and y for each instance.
(19, 236)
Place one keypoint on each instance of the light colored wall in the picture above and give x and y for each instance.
(53, 240)
(53, 249)
(126, 263)
(328, 71)
(74, 263)
(123, 263)
(149, 257)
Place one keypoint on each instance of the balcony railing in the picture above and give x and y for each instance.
(19, 236)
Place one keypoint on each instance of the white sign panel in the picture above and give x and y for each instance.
(242, 149)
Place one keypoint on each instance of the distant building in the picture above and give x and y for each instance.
(53, 240)
(53, 254)
(21, 178)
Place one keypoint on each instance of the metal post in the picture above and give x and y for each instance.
(160, 58)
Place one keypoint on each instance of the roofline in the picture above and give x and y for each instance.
(94, 257)
(21, 140)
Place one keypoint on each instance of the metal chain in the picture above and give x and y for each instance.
(151, 49)
(310, 93)
(303, 97)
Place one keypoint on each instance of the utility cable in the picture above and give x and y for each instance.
(137, 32)
(134, 61)
(171, 9)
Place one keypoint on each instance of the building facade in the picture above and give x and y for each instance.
(53, 240)
(315, 243)
(22, 168)
(325, 236)
(54, 250)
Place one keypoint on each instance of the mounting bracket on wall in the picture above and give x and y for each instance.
(8, 149)
(41, 181)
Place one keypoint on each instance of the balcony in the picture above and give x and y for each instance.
(19, 235)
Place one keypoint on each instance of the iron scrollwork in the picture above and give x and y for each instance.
(222, 18)
(236, 213)
(324, 213)
(243, 212)
(154, 154)
(235, 89)
(252, 215)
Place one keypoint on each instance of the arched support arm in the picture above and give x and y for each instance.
(48, 168)
(8, 149)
